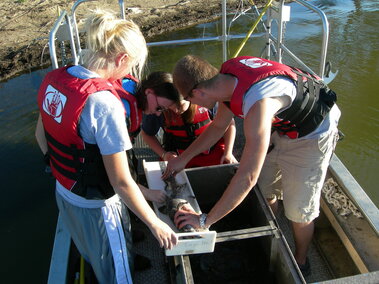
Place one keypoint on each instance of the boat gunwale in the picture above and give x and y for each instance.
(355, 192)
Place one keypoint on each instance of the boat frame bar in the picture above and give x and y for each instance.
(279, 9)
(61, 32)
(245, 233)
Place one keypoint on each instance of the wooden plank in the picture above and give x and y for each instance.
(344, 238)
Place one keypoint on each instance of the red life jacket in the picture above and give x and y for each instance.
(178, 135)
(126, 90)
(61, 99)
(313, 99)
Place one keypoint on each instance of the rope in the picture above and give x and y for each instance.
(336, 197)
(252, 29)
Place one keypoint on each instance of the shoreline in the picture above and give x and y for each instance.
(23, 52)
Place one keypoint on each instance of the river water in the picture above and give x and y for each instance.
(28, 211)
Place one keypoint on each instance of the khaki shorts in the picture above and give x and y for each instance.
(295, 171)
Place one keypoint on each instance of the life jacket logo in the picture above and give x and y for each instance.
(255, 62)
(54, 103)
(202, 109)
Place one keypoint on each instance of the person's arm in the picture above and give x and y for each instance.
(229, 137)
(155, 145)
(153, 142)
(257, 129)
(40, 135)
(155, 195)
(118, 172)
(207, 139)
(150, 127)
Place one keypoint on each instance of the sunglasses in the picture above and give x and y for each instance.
(159, 108)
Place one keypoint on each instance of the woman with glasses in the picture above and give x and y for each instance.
(181, 121)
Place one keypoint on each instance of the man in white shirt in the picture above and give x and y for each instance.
(268, 97)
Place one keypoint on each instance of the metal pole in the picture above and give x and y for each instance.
(325, 35)
(280, 32)
(122, 8)
(53, 54)
(224, 36)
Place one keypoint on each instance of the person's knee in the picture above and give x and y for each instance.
(301, 225)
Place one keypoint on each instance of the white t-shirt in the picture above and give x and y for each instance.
(102, 120)
(284, 89)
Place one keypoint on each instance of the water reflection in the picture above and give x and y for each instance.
(355, 53)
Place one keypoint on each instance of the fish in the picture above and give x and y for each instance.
(176, 198)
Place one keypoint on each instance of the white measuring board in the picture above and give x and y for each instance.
(189, 243)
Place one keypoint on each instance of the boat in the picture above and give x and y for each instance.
(251, 246)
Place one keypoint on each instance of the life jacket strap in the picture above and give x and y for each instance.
(312, 103)
(63, 148)
(86, 167)
(192, 126)
(174, 143)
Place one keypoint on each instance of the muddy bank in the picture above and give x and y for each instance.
(25, 26)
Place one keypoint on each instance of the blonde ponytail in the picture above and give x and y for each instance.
(108, 36)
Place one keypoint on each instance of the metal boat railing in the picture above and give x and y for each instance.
(62, 32)
(76, 30)
(276, 12)
(280, 10)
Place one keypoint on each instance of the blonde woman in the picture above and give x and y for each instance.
(83, 120)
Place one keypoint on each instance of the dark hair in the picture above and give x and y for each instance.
(161, 83)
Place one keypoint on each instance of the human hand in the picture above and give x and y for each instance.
(169, 156)
(164, 234)
(228, 159)
(174, 166)
(186, 216)
(154, 195)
